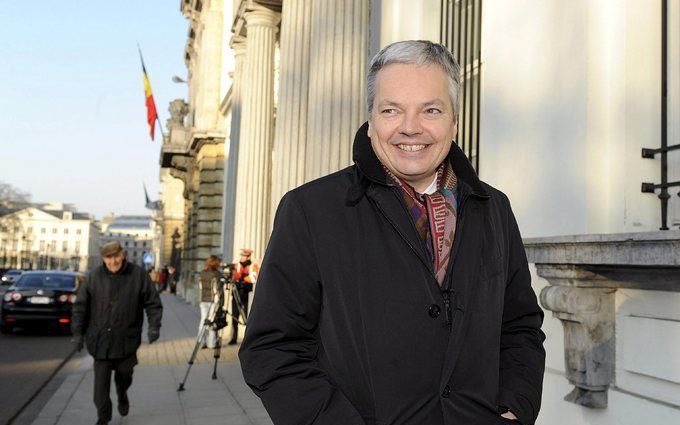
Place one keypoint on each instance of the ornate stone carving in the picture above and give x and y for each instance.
(587, 315)
(178, 110)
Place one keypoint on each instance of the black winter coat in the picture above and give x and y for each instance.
(109, 310)
(349, 325)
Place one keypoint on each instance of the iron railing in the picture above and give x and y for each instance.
(650, 153)
(461, 33)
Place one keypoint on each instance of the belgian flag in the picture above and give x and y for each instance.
(151, 113)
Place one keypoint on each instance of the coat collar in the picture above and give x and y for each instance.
(369, 165)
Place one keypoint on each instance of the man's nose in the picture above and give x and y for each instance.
(410, 124)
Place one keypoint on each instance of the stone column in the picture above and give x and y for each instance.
(339, 45)
(238, 44)
(208, 77)
(254, 164)
(288, 168)
(210, 169)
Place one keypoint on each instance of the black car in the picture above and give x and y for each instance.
(10, 277)
(40, 297)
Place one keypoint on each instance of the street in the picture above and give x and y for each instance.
(27, 361)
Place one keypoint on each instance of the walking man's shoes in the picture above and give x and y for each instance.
(123, 405)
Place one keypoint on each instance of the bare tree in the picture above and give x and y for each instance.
(12, 199)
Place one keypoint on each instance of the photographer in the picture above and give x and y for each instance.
(211, 289)
(244, 276)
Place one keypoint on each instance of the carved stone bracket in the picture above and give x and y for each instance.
(588, 318)
(584, 273)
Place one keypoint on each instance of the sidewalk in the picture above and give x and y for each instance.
(154, 398)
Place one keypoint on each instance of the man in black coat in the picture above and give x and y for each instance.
(108, 316)
(397, 291)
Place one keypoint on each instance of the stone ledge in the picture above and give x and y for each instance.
(639, 249)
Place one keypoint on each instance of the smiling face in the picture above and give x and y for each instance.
(412, 124)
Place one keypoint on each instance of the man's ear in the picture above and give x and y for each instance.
(368, 130)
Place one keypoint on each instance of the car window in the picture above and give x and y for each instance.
(13, 272)
(47, 281)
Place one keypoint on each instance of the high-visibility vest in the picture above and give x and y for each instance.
(247, 273)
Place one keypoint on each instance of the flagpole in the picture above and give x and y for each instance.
(159, 124)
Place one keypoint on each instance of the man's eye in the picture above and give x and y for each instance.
(388, 111)
(433, 111)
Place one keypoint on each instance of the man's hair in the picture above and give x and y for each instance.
(213, 263)
(419, 53)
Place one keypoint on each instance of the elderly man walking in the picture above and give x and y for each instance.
(108, 317)
(397, 291)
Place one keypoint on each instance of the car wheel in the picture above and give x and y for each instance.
(5, 329)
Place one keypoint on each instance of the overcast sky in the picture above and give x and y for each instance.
(72, 114)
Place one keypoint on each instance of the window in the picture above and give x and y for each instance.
(53, 246)
(461, 34)
(29, 229)
(77, 247)
(54, 230)
(43, 230)
(144, 244)
(64, 246)
(79, 231)
(66, 231)
(135, 244)
(42, 245)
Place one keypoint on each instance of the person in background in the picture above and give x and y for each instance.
(172, 280)
(244, 276)
(211, 290)
(107, 317)
(153, 275)
(162, 279)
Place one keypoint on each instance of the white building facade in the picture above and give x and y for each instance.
(49, 238)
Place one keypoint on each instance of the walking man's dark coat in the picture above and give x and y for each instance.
(109, 311)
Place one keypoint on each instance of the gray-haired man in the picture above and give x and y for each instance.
(397, 291)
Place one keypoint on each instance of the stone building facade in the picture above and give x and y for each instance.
(192, 156)
(559, 100)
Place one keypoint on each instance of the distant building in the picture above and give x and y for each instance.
(135, 233)
(51, 236)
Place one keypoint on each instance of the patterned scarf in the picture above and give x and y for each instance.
(434, 215)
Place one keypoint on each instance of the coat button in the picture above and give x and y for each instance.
(434, 311)
(446, 392)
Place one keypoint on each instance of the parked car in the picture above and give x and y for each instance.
(10, 277)
(40, 297)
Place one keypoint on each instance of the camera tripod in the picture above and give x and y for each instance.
(241, 318)
(216, 321)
